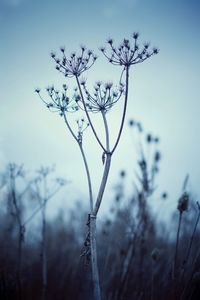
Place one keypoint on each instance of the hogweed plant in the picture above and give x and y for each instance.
(101, 100)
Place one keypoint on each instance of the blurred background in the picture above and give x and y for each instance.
(163, 90)
(163, 98)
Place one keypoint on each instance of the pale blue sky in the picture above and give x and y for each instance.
(164, 92)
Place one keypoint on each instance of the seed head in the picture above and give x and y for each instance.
(155, 51)
(135, 35)
(157, 156)
(37, 90)
(110, 41)
(83, 81)
(102, 49)
(53, 55)
(164, 195)
(103, 97)
(146, 45)
(149, 138)
(62, 49)
(122, 174)
(183, 202)
(131, 123)
(75, 65)
(128, 52)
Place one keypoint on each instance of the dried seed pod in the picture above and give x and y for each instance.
(183, 202)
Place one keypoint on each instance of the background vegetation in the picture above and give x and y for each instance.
(139, 256)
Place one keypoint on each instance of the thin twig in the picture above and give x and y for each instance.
(124, 111)
(84, 160)
(88, 176)
(88, 117)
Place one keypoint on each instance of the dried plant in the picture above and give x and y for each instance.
(40, 189)
(101, 101)
(15, 172)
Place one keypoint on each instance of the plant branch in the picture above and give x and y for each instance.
(88, 176)
(103, 183)
(177, 244)
(69, 127)
(124, 111)
(88, 117)
(106, 131)
(84, 160)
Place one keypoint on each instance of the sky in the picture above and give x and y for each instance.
(164, 91)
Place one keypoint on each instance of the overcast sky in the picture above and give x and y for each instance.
(164, 91)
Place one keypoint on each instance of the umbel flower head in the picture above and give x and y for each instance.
(103, 97)
(14, 170)
(75, 64)
(129, 52)
(59, 101)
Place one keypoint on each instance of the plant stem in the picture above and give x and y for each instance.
(103, 183)
(84, 160)
(20, 239)
(20, 235)
(124, 111)
(93, 247)
(189, 249)
(87, 114)
(92, 222)
(106, 131)
(94, 262)
(175, 271)
(44, 254)
(106, 168)
(191, 240)
(88, 176)
(177, 244)
(69, 127)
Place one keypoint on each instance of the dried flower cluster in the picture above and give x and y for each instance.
(59, 101)
(183, 202)
(75, 65)
(103, 98)
(128, 53)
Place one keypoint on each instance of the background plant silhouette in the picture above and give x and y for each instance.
(135, 249)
